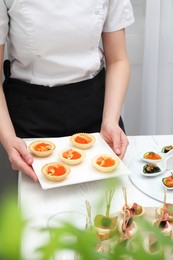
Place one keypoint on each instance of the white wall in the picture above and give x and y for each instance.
(135, 45)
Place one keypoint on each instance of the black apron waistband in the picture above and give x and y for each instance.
(69, 92)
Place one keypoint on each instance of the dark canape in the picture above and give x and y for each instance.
(151, 168)
(167, 148)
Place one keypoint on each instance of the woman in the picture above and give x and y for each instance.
(56, 84)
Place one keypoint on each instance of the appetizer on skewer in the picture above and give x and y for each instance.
(105, 224)
(105, 162)
(55, 171)
(166, 206)
(41, 148)
(82, 140)
(162, 222)
(72, 156)
(127, 227)
(135, 209)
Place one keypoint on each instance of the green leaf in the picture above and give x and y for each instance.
(11, 229)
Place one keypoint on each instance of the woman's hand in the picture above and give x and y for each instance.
(115, 138)
(19, 157)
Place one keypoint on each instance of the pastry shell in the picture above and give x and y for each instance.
(90, 138)
(71, 161)
(41, 153)
(107, 168)
(55, 178)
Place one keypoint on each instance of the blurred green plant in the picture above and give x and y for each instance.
(12, 225)
(84, 243)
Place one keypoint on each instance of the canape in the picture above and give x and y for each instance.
(105, 162)
(127, 226)
(162, 221)
(169, 207)
(167, 148)
(168, 181)
(152, 156)
(41, 148)
(55, 171)
(72, 156)
(135, 209)
(105, 226)
(82, 140)
(151, 168)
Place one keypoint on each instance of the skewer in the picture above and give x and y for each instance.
(109, 196)
(164, 201)
(88, 220)
(159, 217)
(125, 196)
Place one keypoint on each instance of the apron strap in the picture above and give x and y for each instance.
(7, 69)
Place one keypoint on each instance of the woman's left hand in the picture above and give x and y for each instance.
(115, 138)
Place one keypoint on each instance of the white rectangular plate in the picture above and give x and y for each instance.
(85, 171)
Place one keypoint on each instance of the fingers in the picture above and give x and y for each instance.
(124, 146)
(116, 139)
(21, 159)
(24, 153)
(120, 144)
(25, 168)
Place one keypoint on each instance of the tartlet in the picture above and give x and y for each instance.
(55, 171)
(72, 156)
(105, 162)
(41, 148)
(82, 140)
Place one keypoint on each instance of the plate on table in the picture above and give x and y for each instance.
(83, 172)
(152, 186)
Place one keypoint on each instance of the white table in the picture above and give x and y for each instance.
(38, 204)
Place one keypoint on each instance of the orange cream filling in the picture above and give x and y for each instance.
(169, 181)
(71, 155)
(152, 156)
(57, 170)
(105, 161)
(42, 147)
(83, 139)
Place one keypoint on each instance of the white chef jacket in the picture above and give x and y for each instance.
(58, 42)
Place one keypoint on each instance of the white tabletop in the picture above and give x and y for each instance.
(38, 204)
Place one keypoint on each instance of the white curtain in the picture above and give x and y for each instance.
(156, 111)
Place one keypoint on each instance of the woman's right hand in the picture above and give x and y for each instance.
(19, 156)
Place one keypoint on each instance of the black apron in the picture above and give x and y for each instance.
(43, 111)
